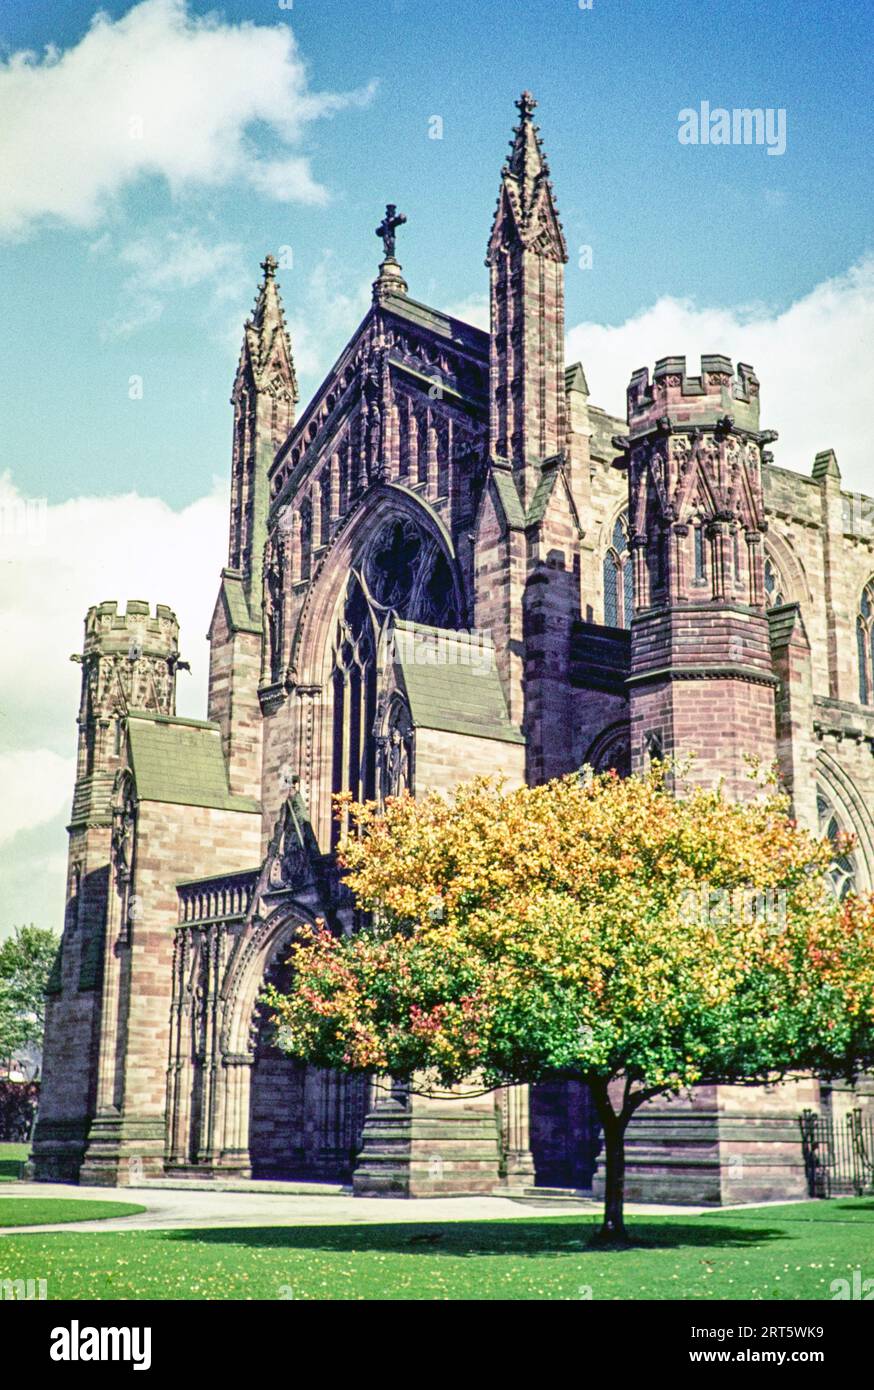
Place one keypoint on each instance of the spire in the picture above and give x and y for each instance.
(527, 160)
(264, 396)
(526, 258)
(526, 209)
(266, 334)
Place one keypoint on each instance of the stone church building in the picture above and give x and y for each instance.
(450, 562)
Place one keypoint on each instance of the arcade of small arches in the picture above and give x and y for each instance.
(618, 583)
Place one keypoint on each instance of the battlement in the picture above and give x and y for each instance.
(108, 631)
(702, 400)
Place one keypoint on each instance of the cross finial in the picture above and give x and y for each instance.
(387, 226)
(269, 265)
(525, 106)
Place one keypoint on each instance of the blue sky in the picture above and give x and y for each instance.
(150, 158)
(724, 226)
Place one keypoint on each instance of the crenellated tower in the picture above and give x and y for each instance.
(129, 662)
(526, 258)
(702, 680)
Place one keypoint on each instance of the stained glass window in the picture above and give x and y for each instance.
(611, 592)
(403, 572)
(774, 587)
(843, 871)
(619, 577)
(865, 644)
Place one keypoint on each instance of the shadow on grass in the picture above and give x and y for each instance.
(10, 1169)
(471, 1238)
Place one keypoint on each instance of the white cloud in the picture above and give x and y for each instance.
(474, 309)
(157, 92)
(813, 360)
(57, 562)
(76, 554)
(161, 263)
(37, 784)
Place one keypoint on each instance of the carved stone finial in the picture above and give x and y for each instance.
(269, 265)
(525, 106)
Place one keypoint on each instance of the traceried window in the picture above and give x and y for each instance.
(619, 577)
(843, 870)
(775, 590)
(404, 573)
(865, 644)
(354, 694)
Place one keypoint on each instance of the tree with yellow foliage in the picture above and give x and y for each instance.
(634, 934)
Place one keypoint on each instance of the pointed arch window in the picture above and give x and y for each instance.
(865, 644)
(325, 506)
(306, 538)
(775, 589)
(844, 873)
(354, 697)
(619, 577)
(405, 573)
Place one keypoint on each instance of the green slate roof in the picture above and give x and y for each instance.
(539, 502)
(451, 681)
(782, 622)
(234, 594)
(180, 761)
(501, 474)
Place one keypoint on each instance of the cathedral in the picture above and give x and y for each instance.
(451, 562)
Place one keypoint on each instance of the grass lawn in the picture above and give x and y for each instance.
(784, 1253)
(11, 1158)
(42, 1211)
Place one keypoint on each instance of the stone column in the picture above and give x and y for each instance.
(237, 1079)
(518, 1159)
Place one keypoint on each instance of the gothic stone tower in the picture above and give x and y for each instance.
(129, 661)
(528, 527)
(264, 397)
(702, 683)
(701, 678)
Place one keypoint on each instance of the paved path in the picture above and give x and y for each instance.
(168, 1208)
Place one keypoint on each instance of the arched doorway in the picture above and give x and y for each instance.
(304, 1123)
(237, 1105)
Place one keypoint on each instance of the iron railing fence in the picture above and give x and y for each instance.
(838, 1154)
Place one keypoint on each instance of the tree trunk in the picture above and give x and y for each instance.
(612, 1230)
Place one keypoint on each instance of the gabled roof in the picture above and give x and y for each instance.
(180, 761)
(458, 331)
(459, 336)
(451, 681)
